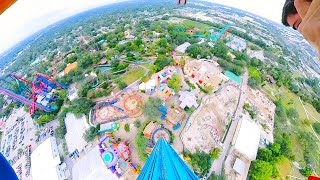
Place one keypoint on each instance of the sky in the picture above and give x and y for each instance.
(26, 17)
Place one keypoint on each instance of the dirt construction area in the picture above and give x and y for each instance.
(209, 123)
(265, 109)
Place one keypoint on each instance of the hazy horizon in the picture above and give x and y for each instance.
(21, 23)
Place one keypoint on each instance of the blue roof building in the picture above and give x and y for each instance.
(165, 163)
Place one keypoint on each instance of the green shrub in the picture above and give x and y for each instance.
(137, 123)
(206, 90)
(260, 170)
(215, 153)
(90, 134)
(127, 127)
(175, 82)
(200, 162)
(189, 110)
(141, 144)
(192, 86)
(171, 137)
(316, 127)
(307, 171)
(122, 85)
(250, 110)
(216, 177)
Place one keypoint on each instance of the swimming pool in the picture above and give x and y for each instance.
(108, 157)
(235, 78)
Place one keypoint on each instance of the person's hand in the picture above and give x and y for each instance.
(309, 11)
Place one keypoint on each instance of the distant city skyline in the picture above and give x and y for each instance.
(271, 9)
(26, 17)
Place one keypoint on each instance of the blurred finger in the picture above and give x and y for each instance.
(302, 7)
(314, 11)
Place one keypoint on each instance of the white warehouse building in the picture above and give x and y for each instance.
(46, 163)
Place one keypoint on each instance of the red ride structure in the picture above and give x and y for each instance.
(87, 43)
(184, 2)
(53, 63)
(37, 94)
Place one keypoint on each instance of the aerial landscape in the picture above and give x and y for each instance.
(93, 96)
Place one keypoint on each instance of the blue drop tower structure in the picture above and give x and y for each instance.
(164, 163)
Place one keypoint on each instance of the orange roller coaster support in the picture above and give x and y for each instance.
(5, 4)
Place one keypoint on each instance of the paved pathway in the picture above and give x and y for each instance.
(217, 165)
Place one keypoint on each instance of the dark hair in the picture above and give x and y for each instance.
(287, 10)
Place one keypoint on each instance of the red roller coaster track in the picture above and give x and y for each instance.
(53, 63)
(85, 43)
(26, 92)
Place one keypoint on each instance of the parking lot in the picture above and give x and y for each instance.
(20, 136)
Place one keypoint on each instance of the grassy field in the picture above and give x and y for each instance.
(313, 112)
(291, 100)
(149, 66)
(271, 91)
(132, 76)
(253, 72)
(286, 168)
(298, 152)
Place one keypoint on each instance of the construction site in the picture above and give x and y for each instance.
(210, 121)
(265, 110)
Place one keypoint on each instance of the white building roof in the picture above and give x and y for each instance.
(151, 84)
(239, 166)
(182, 48)
(188, 98)
(248, 139)
(92, 167)
(72, 94)
(142, 86)
(237, 44)
(44, 161)
(256, 54)
(75, 129)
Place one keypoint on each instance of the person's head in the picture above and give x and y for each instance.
(290, 16)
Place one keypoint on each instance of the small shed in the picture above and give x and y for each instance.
(239, 166)
(147, 132)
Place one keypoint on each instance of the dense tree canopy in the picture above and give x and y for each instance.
(200, 162)
(175, 82)
(44, 119)
(161, 62)
(231, 67)
(151, 108)
(260, 170)
(253, 83)
(90, 134)
(80, 106)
